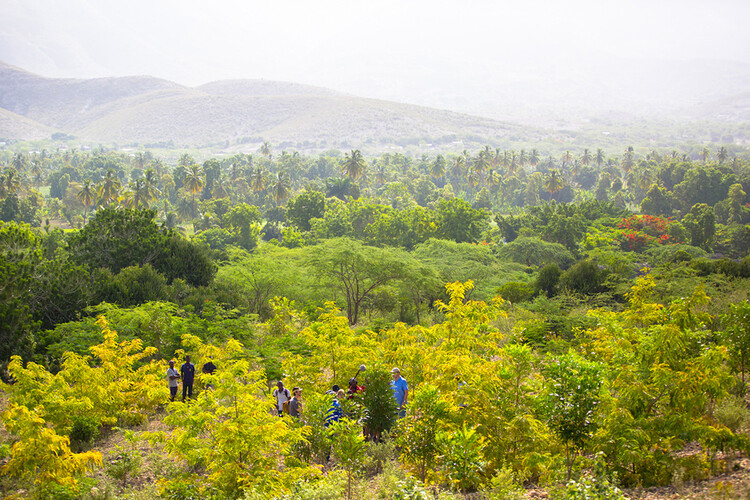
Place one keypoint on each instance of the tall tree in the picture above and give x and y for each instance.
(353, 165)
(357, 270)
(722, 155)
(628, 160)
(586, 157)
(600, 157)
(554, 182)
(281, 188)
(87, 195)
(109, 189)
(193, 179)
(265, 149)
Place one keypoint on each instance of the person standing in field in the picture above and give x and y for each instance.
(208, 369)
(295, 405)
(400, 391)
(187, 371)
(173, 377)
(282, 396)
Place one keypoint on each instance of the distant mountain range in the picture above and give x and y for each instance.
(144, 110)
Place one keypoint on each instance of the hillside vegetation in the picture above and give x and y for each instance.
(569, 325)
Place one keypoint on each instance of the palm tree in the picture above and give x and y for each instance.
(645, 180)
(353, 165)
(505, 161)
(220, 190)
(36, 171)
(493, 180)
(567, 157)
(281, 188)
(170, 221)
(550, 163)
(722, 155)
(185, 160)
(554, 182)
(534, 158)
(459, 167)
(523, 158)
(11, 181)
(513, 165)
(628, 161)
(193, 179)
(151, 181)
(87, 195)
(136, 195)
(258, 180)
(576, 169)
(471, 179)
(704, 154)
(19, 162)
(654, 155)
(481, 164)
(437, 170)
(585, 158)
(265, 149)
(187, 209)
(380, 175)
(109, 189)
(599, 158)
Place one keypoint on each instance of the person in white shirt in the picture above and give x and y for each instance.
(174, 377)
(282, 396)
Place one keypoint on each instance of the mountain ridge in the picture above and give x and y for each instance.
(147, 110)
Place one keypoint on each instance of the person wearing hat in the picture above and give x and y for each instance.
(295, 405)
(400, 391)
(354, 388)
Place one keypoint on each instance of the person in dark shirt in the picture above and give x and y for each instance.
(187, 372)
(208, 369)
(295, 405)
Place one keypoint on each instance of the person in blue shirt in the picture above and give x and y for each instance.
(335, 412)
(400, 391)
(187, 373)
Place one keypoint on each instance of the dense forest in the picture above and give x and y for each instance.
(576, 322)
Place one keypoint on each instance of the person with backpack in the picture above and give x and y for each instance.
(282, 396)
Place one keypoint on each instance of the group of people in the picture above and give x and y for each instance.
(286, 402)
(291, 403)
(187, 376)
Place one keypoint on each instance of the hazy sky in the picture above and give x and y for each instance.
(429, 52)
(193, 41)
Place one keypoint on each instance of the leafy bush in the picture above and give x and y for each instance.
(85, 429)
(410, 489)
(380, 405)
(516, 291)
(584, 277)
(598, 486)
(461, 461)
(503, 487)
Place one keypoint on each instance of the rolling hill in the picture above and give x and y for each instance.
(146, 110)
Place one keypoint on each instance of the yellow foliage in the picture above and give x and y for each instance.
(40, 452)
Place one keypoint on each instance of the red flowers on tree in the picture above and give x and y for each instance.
(642, 231)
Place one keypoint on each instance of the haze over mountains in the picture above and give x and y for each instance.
(148, 110)
(142, 110)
